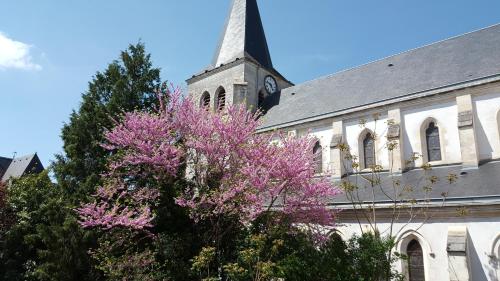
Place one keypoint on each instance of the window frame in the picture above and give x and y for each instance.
(361, 149)
(417, 244)
(404, 239)
(318, 157)
(432, 136)
(423, 141)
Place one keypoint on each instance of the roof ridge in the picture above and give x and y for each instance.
(26, 155)
(394, 55)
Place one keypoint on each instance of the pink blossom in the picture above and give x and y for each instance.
(117, 206)
(232, 170)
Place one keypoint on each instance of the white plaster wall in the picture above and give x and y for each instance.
(353, 129)
(445, 113)
(486, 126)
(482, 233)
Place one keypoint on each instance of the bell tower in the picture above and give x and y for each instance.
(241, 71)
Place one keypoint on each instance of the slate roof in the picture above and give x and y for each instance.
(243, 36)
(459, 59)
(4, 164)
(20, 166)
(471, 184)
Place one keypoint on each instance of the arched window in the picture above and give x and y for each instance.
(495, 251)
(369, 151)
(318, 158)
(415, 255)
(336, 239)
(433, 142)
(221, 99)
(205, 100)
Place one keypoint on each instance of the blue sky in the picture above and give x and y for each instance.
(50, 49)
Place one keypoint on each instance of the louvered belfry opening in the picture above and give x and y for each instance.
(415, 261)
(205, 100)
(221, 99)
(318, 158)
(369, 151)
(433, 142)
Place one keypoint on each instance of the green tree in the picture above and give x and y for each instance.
(126, 85)
(281, 253)
(44, 243)
(371, 258)
(6, 221)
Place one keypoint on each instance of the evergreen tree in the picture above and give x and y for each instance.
(126, 85)
(45, 241)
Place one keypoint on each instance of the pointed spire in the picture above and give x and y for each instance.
(243, 36)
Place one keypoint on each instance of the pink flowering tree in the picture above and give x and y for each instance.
(230, 170)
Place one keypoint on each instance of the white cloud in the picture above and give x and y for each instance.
(15, 54)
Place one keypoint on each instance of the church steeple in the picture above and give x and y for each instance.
(242, 71)
(243, 36)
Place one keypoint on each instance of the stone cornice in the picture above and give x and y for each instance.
(423, 212)
(211, 71)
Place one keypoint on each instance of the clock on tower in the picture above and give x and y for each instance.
(270, 85)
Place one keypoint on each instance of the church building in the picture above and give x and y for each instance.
(420, 129)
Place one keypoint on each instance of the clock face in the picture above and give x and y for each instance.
(271, 85)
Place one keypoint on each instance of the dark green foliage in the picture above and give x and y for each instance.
(45, 242)
(178, 240)
(126, 85)
(165, 251)
(362, 258)
(6, 215)
(280, 252)
(127, 255)
(371, 257)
